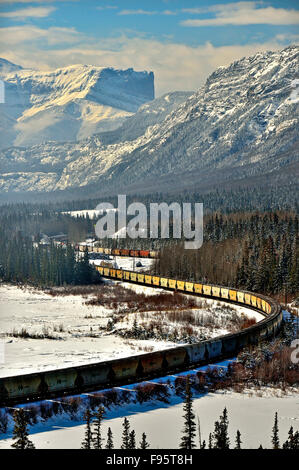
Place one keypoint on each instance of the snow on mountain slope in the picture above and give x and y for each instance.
(8, 67)
(149, 114)
(243, 122)
(241, 110)
(69, 103)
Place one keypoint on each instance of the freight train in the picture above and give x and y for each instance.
(119, 251)
(90, 377)
(207, 290)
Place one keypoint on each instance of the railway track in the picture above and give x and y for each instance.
(85, 378)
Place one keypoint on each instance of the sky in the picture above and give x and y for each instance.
(182, 42)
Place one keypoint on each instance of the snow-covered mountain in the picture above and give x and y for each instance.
(243, 123)
(70, 103)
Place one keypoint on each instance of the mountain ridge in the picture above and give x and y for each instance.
(243, 122)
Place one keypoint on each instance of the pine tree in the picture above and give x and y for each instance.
(201, 444)
(97, 436)
(132, 440)
(135, 329)
(84, 271)
(289, 441)
(109, 444)
(143, 443)
(187, 441)
(275, 437)
(238, 440)
(126, 434)
(292, 443)
(220, 435)
(86, 444)
(20, 432)
(210, 441)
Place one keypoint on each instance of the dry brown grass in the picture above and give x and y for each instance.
(126, 300)
(74, 290)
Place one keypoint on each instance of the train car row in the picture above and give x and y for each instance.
(60, 382)
(90, 377)
(119, 251)
(208, 290)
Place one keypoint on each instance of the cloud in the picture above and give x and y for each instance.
(31, 36)
(228, 7)
(146, 12)
(288, 37)
(169, 12)
(137, 12)
(34, 12)
(35, 1)
(107, 7)
(176, 66)
(242, 13)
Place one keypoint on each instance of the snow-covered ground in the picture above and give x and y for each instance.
(250, 412)
(91, 213)
(38, 312)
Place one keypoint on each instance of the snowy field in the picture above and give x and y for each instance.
(38, 312)
(91, 213)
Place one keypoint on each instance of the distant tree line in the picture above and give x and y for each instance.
(42, 265)
(258, 252)
(24, 259)
(241, 198)
(36, 220)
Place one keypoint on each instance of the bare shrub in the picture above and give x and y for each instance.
(201, 380)
(3, 421)
(180, 385)
(97, 399)
(150, 391)
(47, 410)
(111, 397)
(247, 322)
(25, 334)
(140, 301)
(32, 414)
(73, 404)
(83, 290)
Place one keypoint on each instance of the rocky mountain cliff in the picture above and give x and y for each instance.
(68, 104)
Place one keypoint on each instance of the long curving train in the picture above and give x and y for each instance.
(90, 377)
(119, 251)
